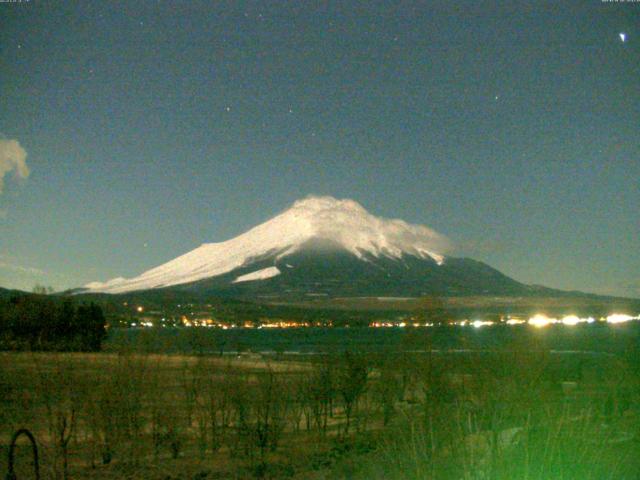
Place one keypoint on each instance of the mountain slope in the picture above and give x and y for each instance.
(8, 293)
(328, 270)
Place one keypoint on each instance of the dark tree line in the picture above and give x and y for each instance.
(35, 322)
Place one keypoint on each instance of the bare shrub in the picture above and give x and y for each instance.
(62, 397)
(351, 383)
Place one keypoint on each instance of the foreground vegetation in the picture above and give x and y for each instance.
(42, 322)
(516, 412)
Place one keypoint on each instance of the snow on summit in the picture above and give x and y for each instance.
(344, 222)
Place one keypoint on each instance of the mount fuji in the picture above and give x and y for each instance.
(322, 246)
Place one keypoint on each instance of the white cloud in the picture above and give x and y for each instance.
(21, 269)
(12, 158)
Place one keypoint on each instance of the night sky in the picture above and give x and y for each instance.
(152, 127)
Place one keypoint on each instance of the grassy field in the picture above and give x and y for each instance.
(514, 412)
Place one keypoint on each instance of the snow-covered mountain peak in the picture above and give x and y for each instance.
(343, 222)
(347, 223)
(313, 204)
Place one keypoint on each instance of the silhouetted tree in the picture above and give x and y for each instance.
(35, 322)
(352, 380)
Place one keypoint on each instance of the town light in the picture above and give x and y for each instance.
(620, 318)
(541, 320)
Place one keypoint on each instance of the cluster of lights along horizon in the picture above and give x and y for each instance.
(540, 320)
(536, 321)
